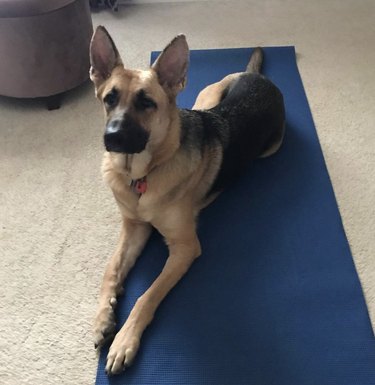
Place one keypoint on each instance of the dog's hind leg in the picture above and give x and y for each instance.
(212, 95)
(133, 237)
(275, 144)
(184, 248)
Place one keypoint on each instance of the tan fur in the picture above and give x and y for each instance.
(210, 96)
(176, 190)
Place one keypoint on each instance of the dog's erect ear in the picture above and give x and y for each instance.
(104, 56)
(172, 64)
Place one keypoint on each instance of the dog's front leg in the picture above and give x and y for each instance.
(182, 252)
(132, 240)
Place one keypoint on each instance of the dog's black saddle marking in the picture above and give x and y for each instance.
(247, 121)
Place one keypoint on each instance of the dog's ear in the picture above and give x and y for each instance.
(172, 64)
(104, 56)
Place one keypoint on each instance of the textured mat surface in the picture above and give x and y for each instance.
(275, 298)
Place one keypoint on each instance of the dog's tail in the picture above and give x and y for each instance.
(256, 61)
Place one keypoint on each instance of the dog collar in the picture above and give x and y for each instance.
(139, 186)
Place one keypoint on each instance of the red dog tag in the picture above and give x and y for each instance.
(140, 186)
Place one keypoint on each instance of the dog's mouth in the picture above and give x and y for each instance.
(125, 136)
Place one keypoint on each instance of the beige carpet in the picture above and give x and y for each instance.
(59, 223)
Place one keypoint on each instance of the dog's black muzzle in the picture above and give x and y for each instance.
(125, 136)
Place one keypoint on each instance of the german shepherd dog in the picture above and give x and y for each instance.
(165, 164)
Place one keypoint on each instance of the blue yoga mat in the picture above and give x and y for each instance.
(275, 298)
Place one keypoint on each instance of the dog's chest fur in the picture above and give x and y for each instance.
(187, 176)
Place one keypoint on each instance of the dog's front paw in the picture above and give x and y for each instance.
(122, 351)
(104, 323)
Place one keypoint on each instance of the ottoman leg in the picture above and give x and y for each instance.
(53, 102)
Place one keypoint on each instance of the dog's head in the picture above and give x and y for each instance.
(139, 105)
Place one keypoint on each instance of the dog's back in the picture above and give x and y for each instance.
(248, 122)
(254, 110)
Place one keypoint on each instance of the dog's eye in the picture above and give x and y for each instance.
(111, 99)
(142, 101)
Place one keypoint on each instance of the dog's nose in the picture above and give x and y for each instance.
(125, 136)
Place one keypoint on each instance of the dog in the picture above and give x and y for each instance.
(165, 164)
